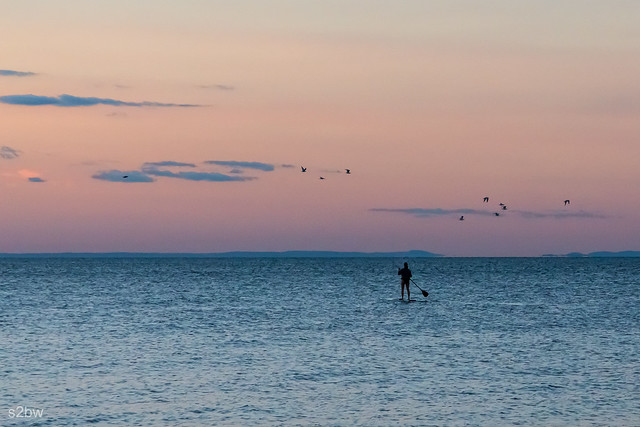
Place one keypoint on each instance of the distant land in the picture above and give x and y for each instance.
(237, 254)
(602, 254)
(289, 254)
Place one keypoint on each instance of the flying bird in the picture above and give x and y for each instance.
(348, 171)
(504, 207)
(496, 214)
(567, 202)
(303, 168)
(485, 200)
(461, 218)
(126, 176)
(322, 177)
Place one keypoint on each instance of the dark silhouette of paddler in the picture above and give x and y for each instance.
(405, 274)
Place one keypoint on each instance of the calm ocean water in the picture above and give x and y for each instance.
(533, 341)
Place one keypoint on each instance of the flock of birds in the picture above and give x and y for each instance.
(303, 170)
(504, 207)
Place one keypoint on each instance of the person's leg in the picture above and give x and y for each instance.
(402, 288)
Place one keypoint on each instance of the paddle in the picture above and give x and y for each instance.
(424, 293)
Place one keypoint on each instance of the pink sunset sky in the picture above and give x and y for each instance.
(210, 108)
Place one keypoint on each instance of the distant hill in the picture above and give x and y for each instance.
(332, 254)
(602, 254)
(237, 254)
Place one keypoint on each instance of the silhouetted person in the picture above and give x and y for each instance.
(405, 274)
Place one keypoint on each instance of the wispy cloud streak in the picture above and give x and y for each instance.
(115, 175)
(13, 73)
(218, 87)
(79, 101)
(8, 152)
(196, 176)
(249, 165)
(436, 212)
(433, 212)
(149, 171)
(559, 214)
(167, 164)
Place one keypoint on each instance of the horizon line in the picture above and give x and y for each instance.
(415, 253)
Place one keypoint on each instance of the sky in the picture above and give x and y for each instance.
(165, 126)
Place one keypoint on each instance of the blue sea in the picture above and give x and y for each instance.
(299, 341)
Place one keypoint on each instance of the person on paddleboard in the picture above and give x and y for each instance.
(405, 274)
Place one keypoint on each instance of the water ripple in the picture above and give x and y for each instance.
(320, 342)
